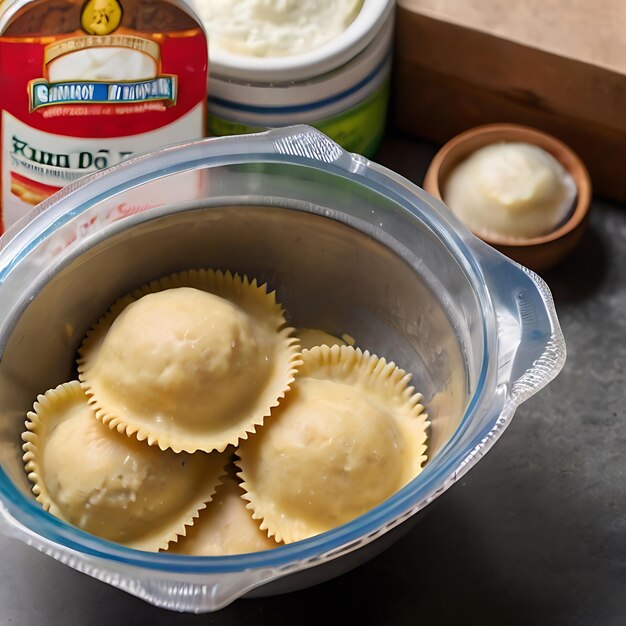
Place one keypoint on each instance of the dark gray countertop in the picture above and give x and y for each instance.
(534, 535)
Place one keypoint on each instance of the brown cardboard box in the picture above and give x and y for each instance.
(557, 65)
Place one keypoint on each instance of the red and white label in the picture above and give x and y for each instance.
(83, 103)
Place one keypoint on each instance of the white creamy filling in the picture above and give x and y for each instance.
(266, 28)
(510, 189)
(106, 64)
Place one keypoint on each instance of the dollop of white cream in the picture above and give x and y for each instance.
(267, 28)
(106, 63)
(510, 189)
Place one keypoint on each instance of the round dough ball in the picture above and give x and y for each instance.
(189, 368)
(108, 484)
(330, 455)
(182, 356)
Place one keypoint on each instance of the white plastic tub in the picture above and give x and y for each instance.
(341, 88)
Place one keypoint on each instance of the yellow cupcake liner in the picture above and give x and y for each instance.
(240, 290)
(68, 401)
(382, 382)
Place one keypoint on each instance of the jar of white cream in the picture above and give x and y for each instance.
(325, 63)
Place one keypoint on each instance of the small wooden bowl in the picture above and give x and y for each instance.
(536, 253)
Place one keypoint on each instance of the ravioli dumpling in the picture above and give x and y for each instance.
(192, 362)
(349, 434)
(108, 484)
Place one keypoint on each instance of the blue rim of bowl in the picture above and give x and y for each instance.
(437, 475)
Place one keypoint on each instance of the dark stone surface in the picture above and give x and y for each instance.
(534, 535)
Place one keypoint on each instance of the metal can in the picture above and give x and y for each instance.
(86, 85)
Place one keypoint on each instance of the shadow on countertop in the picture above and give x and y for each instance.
(583, 272)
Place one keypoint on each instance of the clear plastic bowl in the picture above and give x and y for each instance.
(350, 246)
